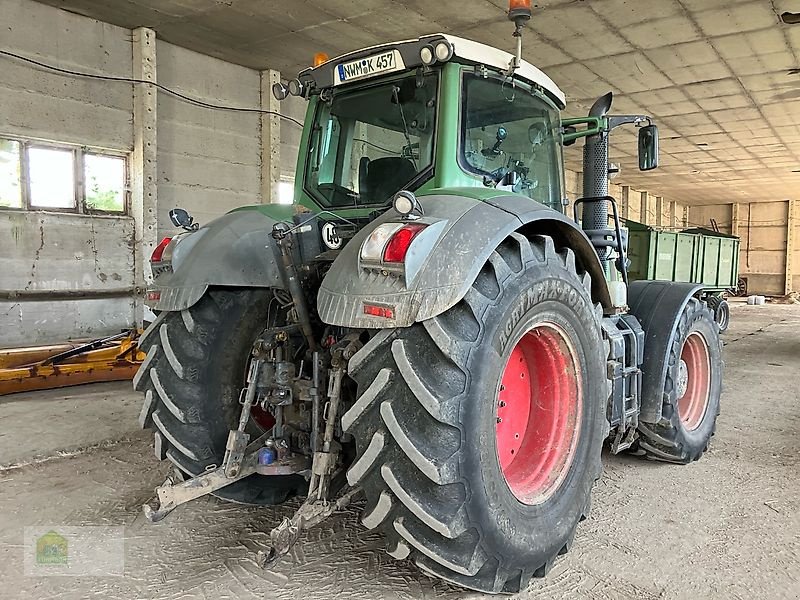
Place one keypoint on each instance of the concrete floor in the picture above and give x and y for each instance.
(726, 527)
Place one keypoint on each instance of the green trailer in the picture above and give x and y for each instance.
(696, 255)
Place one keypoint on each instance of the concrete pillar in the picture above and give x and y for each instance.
(791, 222)
(673, 214)
(659, 211)
(144, 176)
(735, 219)
(644, 216)
(625, 209)
(270, 138)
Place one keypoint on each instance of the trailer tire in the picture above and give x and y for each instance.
(429, 436)
(723, 315)
(722, 311)
(191, 378)
(692, 389)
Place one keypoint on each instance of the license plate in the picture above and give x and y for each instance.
(370, 66)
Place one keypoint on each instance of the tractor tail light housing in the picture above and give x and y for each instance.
(399, 243)
(379, 310)
(158, 253)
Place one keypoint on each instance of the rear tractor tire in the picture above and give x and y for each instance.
(192, 376)
(479, 431)
(691, 390)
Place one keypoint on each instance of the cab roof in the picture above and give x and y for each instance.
(500, 59)
(467, 50)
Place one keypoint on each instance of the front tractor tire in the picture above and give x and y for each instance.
(692, 390)
(191, 378)
(479, 431)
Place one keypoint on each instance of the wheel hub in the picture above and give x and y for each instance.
(694, 381)
(683, 378)
(538, 413)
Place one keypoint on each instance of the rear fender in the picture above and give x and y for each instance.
(658, 306)
(447, 257)
(233, 250)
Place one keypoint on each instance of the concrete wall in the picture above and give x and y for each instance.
(762, 228)
(209, 161)
(762, 257)
(47, 251)
(701, 216)
(290, 135)
(632, 204)
(47, 105)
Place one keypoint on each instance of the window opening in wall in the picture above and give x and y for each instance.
(104, 182)
(36, 175)
(51, 177)
(285, 192)
(10, 174)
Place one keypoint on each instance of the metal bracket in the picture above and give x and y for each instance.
(172, 493)
(311, 513)
(623, 442)
(237, 438)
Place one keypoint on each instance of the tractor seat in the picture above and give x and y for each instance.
(383, 177)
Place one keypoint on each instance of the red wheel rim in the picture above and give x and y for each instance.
(693, 381)
(538, 413)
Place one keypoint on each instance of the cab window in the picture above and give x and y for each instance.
(370, 142)
(506, 127)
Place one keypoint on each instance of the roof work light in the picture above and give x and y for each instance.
(519, 9)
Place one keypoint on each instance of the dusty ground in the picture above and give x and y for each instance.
(726, 527)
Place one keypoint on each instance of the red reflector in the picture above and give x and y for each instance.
(159, 251)
(397, 247)
(387, 312)
(153, 296)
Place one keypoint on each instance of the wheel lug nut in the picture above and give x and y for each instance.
(499, 420)
(502, 404)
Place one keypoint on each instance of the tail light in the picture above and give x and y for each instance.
(389, 243)
(397, 248)
(158, 253)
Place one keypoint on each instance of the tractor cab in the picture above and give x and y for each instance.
(435, 112)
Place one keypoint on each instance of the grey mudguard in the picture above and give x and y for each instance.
(658, 306)
(234, 250)
(450, 263)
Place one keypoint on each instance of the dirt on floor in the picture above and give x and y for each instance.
(726, 527)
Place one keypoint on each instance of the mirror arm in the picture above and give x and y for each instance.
(617, 120)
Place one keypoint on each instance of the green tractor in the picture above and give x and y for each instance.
(430, 325)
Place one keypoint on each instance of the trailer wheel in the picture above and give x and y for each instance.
(191, 378)
(691, 392)
(479, 431)
(723, 315)
(722, 312)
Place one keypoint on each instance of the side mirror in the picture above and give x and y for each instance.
(648, 148)
(181, 218)
(537, 132)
